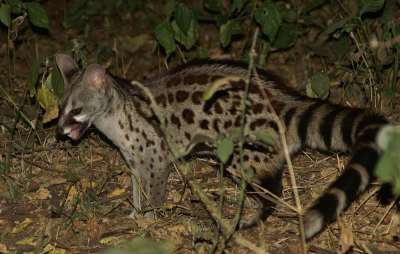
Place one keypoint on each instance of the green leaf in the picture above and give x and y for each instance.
(37, 15)
(14, 188)
(71, 177)
(385, 135)
(389, 93)
(286, 36)
(234, 133)
(266, 46)
(187, 40)
(225, 149)
(225, 32)
(237, 5)
(32, 78)
(47, 83)
(250, 173)
(371, 6)
(396, 32)
(169, 8)
(388, 60)
(341, 46)
(5, 14)
(80, 57)
(139, 245)
(269, 16)
(202, 53)
(335, 26)
(388, 168)
(320, 85)
(264, 137)
(165, 36)
(15, 6)
(57, 83)
(184, 18)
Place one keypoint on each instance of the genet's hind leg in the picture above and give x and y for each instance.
(267, 165)
(265, 207)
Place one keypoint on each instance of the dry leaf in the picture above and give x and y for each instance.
(49, 102)
(116, 192)
(109, 239)
(72, 193)
(26, 241)
(53, 181)
(177, 228)
(21, 226)
(42, 194)
(143, 222)
(51, 249)
(3, 248)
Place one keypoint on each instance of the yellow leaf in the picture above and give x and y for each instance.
(49, 103)
(143, 222)
(109, 239)
(214, 86)
(3, 248)
(116, 192)
(51, 249)
(21, 226)
(26, 240)
(178, 228)
(42, 194)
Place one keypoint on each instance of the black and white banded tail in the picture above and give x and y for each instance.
(331, 127)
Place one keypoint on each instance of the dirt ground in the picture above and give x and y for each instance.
(43, 208)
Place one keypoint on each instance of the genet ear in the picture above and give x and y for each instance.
(94, 77)
(67, 67)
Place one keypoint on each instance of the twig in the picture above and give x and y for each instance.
(384, 215)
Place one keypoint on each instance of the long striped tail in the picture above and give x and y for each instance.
(358, 129)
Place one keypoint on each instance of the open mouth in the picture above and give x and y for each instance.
(77, 130)
(74, 130)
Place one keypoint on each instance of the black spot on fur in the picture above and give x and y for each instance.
(188, 116)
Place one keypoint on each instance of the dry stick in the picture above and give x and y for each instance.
(352, 36)
(379, 237)
(365, 201)
(248, 33)
(252, 54)
(18, 109)
(288, 160)
(384, 215)
(215, 215)
(226, 228)
(344, 8)
(274, 198)
(24, 117)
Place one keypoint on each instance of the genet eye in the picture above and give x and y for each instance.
(75, 112)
